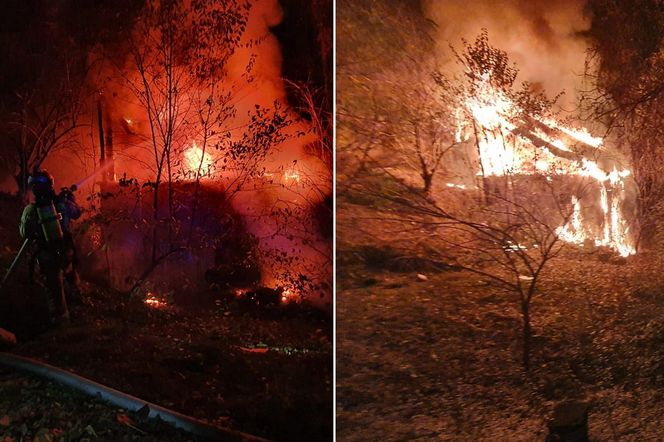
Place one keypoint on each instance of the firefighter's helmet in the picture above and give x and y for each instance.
(41, 182)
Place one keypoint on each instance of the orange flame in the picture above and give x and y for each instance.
(288, 296)
(151, 300)
(492, 111)
(193, 157)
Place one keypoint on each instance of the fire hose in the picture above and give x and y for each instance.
(20, 253)
(126, 401)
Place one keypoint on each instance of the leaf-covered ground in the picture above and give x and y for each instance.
(32, 409)
(439, 359)
(264, 373)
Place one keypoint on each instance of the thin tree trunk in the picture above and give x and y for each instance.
(527, 333)
(483, 182)
(100, 123)
(171, 214)
(155, 220)
(428, 179)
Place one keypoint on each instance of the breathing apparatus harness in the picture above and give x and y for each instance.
(49, 218)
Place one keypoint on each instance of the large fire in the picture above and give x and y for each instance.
(195, 158)
(505, 139)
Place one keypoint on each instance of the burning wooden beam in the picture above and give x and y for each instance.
(530, 129)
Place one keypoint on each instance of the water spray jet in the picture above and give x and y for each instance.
(94, 174)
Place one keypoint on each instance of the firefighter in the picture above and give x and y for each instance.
(46, 222)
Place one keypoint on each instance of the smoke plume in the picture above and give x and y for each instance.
(542, 37)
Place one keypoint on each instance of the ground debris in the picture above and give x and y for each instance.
(156, 354)
(40, 410)
(440, 360)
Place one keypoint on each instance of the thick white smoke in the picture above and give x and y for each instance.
(542, 37)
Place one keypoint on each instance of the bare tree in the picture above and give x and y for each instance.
(432, 132)
(177, 50)
(48, 114)
(316, 112)
(509, 236)
(509, 241)
(399, 114)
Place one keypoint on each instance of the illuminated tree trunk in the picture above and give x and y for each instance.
(428, 179)
(482, 184)
(525, 312)
(527, 333)
(425, 172)
(102, 145)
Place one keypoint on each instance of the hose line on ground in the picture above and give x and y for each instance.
(124, 400)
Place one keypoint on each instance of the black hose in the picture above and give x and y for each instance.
(124, 400)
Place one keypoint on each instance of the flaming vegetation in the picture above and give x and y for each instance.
(159, 103)
(626, 96)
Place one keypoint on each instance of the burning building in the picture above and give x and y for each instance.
(513, 151)
(505, 145)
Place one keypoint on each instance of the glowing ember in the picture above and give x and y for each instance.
(496, 119)
(193, 156)
(288, 296)
(511, 247)
(153, 301)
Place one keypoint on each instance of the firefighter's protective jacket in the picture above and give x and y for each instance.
(29, 226)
